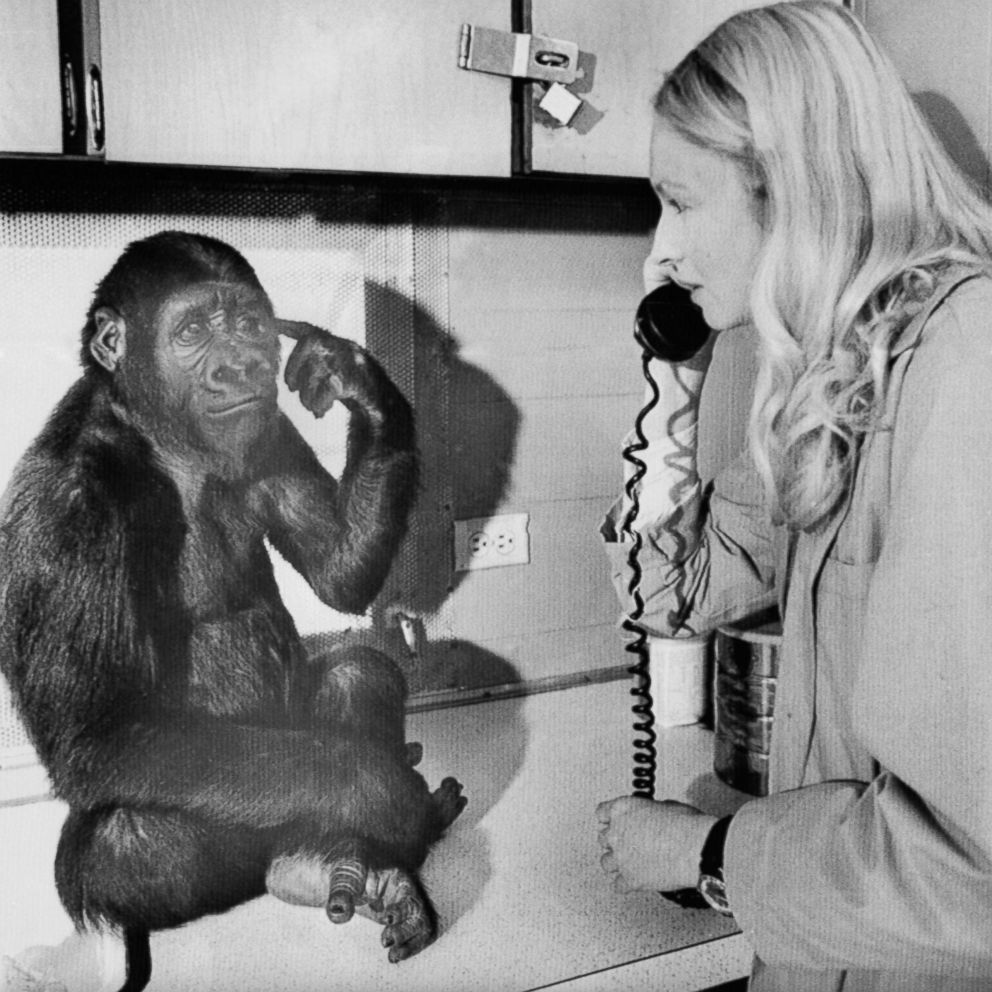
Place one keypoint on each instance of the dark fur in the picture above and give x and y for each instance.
(190, 736)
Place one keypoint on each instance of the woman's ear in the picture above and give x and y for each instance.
(108, 345)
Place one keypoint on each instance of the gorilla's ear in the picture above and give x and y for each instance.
(109, 343)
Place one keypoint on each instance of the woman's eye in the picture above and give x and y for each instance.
(672, 206)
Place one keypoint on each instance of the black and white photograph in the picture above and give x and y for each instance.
(496, 496)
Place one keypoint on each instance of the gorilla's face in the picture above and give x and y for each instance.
(204, 375)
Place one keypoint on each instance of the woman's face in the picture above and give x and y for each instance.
(709, 234)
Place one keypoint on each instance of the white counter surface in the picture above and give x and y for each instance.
(516, 881)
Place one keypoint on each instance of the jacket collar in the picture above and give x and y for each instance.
(909, 336)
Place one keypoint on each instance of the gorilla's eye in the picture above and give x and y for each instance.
(192, 333)
(249, 326)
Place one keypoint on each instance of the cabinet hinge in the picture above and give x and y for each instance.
(524, 56)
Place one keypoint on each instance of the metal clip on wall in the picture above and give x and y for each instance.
(522, 56)
(533, 57)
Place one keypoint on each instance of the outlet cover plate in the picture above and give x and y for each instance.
(492, 542)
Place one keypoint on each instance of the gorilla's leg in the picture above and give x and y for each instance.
(362, 693)
(154, 869)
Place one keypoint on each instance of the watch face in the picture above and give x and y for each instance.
(714, 891)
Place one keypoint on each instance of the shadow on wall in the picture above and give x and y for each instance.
(467, 428)
(956, 135)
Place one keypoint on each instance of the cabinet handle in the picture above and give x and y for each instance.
(70, 107)
(94, 107)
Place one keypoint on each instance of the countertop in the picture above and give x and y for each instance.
(517, 881)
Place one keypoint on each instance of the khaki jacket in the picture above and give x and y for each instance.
(870, 865)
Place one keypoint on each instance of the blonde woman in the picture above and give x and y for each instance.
(805, 200)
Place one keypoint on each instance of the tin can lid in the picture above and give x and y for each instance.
(759, 628)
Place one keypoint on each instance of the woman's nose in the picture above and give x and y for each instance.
(666, 248)
(663, 259)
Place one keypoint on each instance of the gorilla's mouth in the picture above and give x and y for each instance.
(241, 404)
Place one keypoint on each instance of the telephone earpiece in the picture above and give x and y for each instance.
(669, 325)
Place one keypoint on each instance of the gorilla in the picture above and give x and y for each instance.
(204, 757)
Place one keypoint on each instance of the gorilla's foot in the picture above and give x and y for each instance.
(397, 900)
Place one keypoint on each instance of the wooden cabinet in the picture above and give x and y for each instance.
(30, 109)
(311, 84)
(333, 85)
(628, 47)
(632, 45)
(50, 85)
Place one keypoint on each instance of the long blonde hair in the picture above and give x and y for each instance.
(862, 211)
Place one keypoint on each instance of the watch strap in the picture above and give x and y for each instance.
(712, 885)
(710, 863)
(711, 857)
(686, 898)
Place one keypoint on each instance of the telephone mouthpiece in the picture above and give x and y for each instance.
(669, 325)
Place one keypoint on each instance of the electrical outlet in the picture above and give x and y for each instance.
(492, 542)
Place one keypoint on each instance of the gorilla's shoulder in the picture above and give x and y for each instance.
(88, 460)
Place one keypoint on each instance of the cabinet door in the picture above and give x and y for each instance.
(307, 84)
(633, 44)
(30, 110)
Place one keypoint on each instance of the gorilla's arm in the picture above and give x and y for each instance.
(342, 536)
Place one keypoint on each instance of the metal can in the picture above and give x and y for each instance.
(745, 672)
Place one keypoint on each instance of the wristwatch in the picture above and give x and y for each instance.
(711, 885)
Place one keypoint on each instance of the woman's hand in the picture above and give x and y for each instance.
(651, 846)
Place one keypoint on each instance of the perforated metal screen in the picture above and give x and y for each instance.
(12, 736)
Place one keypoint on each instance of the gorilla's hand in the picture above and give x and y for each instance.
(323, 368)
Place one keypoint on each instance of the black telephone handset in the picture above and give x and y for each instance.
(669, 325)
